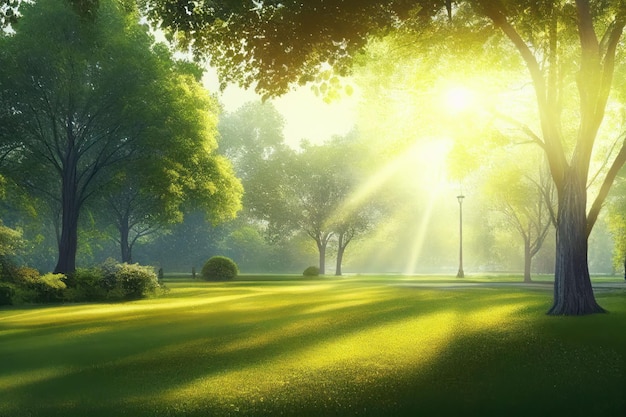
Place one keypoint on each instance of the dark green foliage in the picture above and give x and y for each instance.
(7, 291)
(108, 270)
(92, 65)
(89, 285)
(114, 281)
(110, 281)
(219, 268)
(311, 271)
(31, 287)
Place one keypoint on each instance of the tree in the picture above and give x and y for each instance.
(153, 193)
(569, 51)
(251, 134)
(617, 222)
(8, 13)
(352, 223)
(526, 202)
(91, 95)
(315, 195)
(315, 188)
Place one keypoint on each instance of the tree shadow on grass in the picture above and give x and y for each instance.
(326, 352)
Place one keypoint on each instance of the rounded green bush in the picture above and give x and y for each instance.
(219, 268)
(136, 281)
(311, 271)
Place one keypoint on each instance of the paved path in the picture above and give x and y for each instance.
(548, 286)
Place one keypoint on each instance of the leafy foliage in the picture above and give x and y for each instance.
(110, 281)
(219, 268)
(10, 241)
(616, 219)
(80, 90)
(34, 288)
(311, 271)
(248, 42)
(7, 292)
(90, 284)
(8, 13)
(135, 280)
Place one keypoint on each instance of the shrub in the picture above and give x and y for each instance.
(109, 281)
(35, 288)
(108, 270)
(88, 285)
(219, 268)
(25, 276)
(50, 287)
(136, 281)
(113, 281)
(311, 271)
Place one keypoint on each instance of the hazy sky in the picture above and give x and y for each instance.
(306, 115)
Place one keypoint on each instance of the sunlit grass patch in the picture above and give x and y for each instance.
(28, 377)
(349, 346)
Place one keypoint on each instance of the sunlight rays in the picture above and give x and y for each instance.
(421, 232)
(421, 170)
(458, 98)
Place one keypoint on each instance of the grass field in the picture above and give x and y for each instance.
(264, 346)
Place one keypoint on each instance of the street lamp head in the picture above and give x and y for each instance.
(460, 198)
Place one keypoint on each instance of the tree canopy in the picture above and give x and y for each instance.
(92, 98)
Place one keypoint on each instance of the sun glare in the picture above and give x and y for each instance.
(422, 171)
(429, 159)
(458, 99)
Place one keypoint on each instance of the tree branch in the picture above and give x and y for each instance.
(553, 146)
(618, 162)
(534, 138)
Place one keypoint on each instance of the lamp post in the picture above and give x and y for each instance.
(460, 274)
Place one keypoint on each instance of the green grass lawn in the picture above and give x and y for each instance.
(264, 346)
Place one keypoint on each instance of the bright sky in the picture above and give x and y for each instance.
(306, 115)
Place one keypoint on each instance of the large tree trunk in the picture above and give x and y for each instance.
(124, 243)
(340, 250)
(528, 258)
(68, 242)
(321, 246)
(573, 294)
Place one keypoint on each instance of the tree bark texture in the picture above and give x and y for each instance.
(124, 244)
(321, 246)
(573, 294)
(70, 209)
(340, 249)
